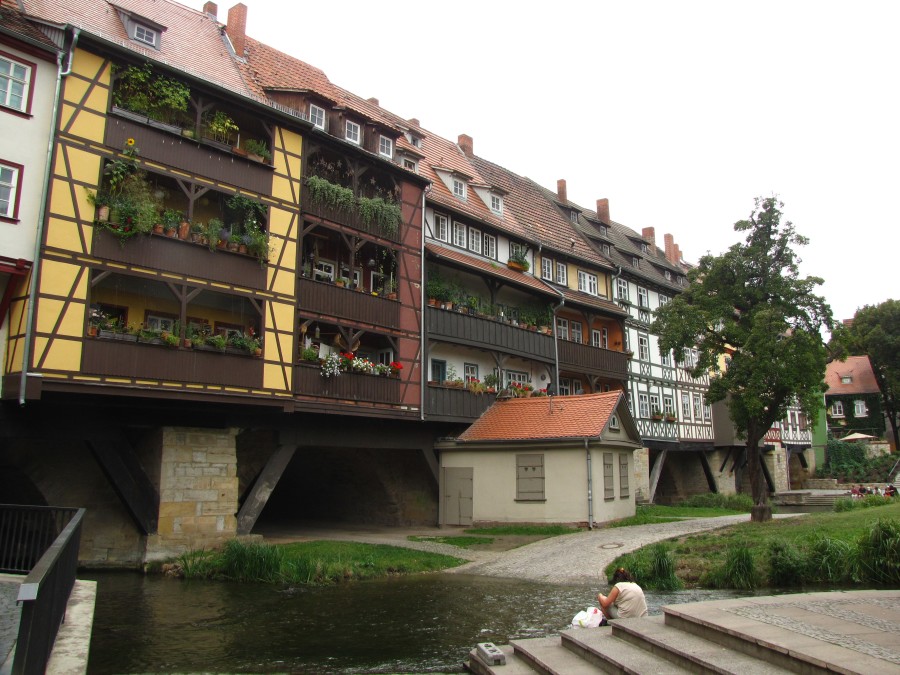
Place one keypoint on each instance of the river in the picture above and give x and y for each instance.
(411, 624)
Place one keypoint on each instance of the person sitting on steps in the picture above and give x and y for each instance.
(625, 600)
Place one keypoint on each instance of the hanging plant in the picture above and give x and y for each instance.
(328, 194)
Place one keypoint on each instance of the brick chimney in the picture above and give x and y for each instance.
(414, 121)
(670, 247)
(211, 10)
(649, 234)
(237, 27)
(561, 190)
(603, 210)
(677, 260)
(466, 144)
(373, 100)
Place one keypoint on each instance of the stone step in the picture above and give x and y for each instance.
(548, 657)
(613, 655)
(513, 666)
(693, 652)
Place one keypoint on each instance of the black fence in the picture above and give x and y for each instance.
(41, 542)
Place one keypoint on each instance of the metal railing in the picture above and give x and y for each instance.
(41, 542)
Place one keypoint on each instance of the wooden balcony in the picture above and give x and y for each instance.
(347, 387)
(322, 297)
(450, 404)
(187, 154)
(474, 331)
(592, 360)
(350, 218)
(131, 359)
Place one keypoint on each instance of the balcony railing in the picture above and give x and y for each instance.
(325, 298)
(455, 405)
(348, 217)
(475, 331)
(592, 360)
(349, 387)
(42, 542)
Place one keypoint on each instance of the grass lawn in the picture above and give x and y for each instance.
(652, 513)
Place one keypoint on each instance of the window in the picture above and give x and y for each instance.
(682, 281)
(438, 370)
(609, 490)
(385, 356)
(562, 277)
(385, 146)
(707, 412)
(497, 204)
(803, 422)
(587, 282)
(530, 477)
(547, 269)
(470, 372)
(654, 404)
(613, 422)
(474, 240)
(663, 300)
(664, 359)
(605, 248)
(352, 132)
(846, 379)
(576, 332)
(459, 189)
(441, 227)
(459, 234)
(490, 246)
(565, 386)
(668, 405)
(837, 409)
(622, 289)
(623, 476)
(324, 271)
(668, 275)
(516, 250)
(635, 261)
(9, 191)
(160, 322)
(516, 376)
(146, 35)
(15, 81)
(643, 297)
(643, 405)
(600, 338)
(685, 406)
(645, 247)
(573, 216)
(410, 164)
(859, 408)
(643, 348)
(562, 328)
(603, 230)
(698, 410)
(317, 116)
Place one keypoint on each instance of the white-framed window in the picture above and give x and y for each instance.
(575, 327)
(622, 289)
(562, 328)
(490, 246)
(643, 348)
(635, 261)
(410, 164)
(605, 248)
(668, 405)
(645, 247)
(353, 132)
(317, 116)
(470, 372)
(459, 234)
(146, 35)
(459, 188)
(385, 146)
(690, 358)
(474, 240)
(547, 269)
(324, 271)
(837, 409)
(603, 230)
(663, 300)
(385, 356)
(859, 408)
(613, 422)
(587, 282)
(573, 216)
(643, 405)
(685, 406)
(668, 275)
(682, 281)
(497, 204)
(15, 81)
(9, 190)
(565, 386)
(562, 276)
(516, 249)
(698, 407)
(846, 379)
(643, 297)
(600, 338)
(516, 376)
(160, 323)
(441, 227)
(664, 359)
(707, 412)
(654, 403)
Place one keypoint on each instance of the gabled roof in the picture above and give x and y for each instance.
(484, 266)
(859, 368)
(547, 418)
(14, 23)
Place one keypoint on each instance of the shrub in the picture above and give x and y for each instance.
(662, 569)
(716, 500)
(877, 558)
(828, 561)
(738, 570)
(786, 565)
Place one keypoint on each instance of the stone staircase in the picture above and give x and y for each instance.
(750, 636)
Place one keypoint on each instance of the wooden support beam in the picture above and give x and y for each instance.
(707, 471)
(431, 460)
(655, 473)
(127, 477)
(265, 484)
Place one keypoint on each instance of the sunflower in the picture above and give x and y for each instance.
(129, 142)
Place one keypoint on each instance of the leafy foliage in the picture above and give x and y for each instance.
(751, 304)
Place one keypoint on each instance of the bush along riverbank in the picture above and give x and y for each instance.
(848, 548)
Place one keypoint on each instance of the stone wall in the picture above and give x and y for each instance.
(198, 491)
(641, 475)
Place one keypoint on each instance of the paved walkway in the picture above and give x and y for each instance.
(567, 559)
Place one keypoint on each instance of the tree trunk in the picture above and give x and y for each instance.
(762, 510)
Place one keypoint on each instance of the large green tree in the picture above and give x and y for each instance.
(875, 331)
(756, 326)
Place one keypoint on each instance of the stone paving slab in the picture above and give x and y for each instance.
(9, 614)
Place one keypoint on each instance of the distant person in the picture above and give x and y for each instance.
(890, 491)
(854, 492)
(625, 600)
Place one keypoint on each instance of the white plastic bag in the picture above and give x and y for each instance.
(589, 618)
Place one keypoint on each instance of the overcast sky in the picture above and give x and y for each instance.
(680, 113)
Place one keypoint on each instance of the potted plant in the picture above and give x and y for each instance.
(213, 230)
(518, 261)
(310, 354)
(491, 382)
(234, 241)
(216, 342)
(257, 150)
(198, 233)
(670, 418)
(220, 127)
(329, 194)
(656, 414)
(101, 201)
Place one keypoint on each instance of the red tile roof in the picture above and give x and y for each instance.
(493, 269)
(544, 417)
(12, 21)
(856, 367)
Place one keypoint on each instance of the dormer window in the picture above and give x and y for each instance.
(410, 164)
(573, 216)
(317, 116)
(459, 188)
(146, 35)
(604, 231)
(353, 132)
(645, 247)
(846, 379)
(668, 275)
(497, 204)
(385, 147)
(635, 261)
(416, 141)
